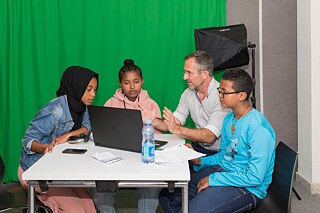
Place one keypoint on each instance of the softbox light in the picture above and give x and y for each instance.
(226, 45)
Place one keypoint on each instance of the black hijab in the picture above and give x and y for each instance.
(74, 82)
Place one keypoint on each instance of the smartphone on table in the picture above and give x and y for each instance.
(159, 143)
(74, 151)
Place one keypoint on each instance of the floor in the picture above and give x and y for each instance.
(308, 204)
(126, 202)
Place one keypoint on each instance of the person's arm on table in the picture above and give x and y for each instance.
(198, 135)
(36, 146)
(41, 148)
(65, 137)
(31, 141)
(84, 129)
(205, 161)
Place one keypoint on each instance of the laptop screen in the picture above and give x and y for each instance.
(116, 128)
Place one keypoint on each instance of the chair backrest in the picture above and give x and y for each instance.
(13, 195)
(279, 192)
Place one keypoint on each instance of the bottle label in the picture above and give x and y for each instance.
(148, 151)
(148, 145)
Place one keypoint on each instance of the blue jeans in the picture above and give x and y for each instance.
(148, 199)
(104, 202)
(147, 203)
(216, 199)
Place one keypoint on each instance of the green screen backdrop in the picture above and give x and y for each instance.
(39, 39)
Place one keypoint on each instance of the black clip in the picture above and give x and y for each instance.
(106, 186)
(43, 186)
(85, 137)
(171, 186)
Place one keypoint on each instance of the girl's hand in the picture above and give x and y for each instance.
(146, 114)
(49, 147)
(62, 138)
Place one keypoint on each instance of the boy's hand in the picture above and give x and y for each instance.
(203, 184)
(196, 161)
(188, 145)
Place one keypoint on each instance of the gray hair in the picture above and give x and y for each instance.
(203, 60)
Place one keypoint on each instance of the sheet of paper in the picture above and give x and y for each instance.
(106, 157)
(184, 152)
(167, 158)
(176, 154)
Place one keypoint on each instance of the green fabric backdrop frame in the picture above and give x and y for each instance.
(40, 38)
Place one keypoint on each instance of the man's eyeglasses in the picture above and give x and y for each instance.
(223, 93)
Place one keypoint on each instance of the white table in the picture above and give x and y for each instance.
(73, 170)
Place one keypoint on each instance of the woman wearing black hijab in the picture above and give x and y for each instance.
(55, 123)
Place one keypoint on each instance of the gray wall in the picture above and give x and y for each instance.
(279, 27)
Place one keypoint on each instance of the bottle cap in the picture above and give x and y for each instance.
(148, 122)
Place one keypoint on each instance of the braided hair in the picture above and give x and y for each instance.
(128, 66)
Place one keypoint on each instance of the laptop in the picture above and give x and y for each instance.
(116, 128)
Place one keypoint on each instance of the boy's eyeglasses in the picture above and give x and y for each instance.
(223, 93)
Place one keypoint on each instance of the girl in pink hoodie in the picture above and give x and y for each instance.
(131, 95)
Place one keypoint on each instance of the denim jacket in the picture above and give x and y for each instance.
(52, 120)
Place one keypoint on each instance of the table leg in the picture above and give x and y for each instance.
(185, 201)
(31, 197)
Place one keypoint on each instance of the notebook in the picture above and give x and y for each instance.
(116, 128)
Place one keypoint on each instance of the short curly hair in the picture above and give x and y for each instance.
(241, 80)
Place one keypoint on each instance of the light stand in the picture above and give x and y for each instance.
(252, 47)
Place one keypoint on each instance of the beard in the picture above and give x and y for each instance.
(193, 87)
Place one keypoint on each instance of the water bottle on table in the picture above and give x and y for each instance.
(148, 145)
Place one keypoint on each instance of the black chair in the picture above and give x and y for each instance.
(278, 199)
(14, 196)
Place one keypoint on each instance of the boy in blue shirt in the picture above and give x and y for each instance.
(235, 179)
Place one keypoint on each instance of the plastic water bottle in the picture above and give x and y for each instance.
(148, 145)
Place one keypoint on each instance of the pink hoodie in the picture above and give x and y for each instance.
(119, 100)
